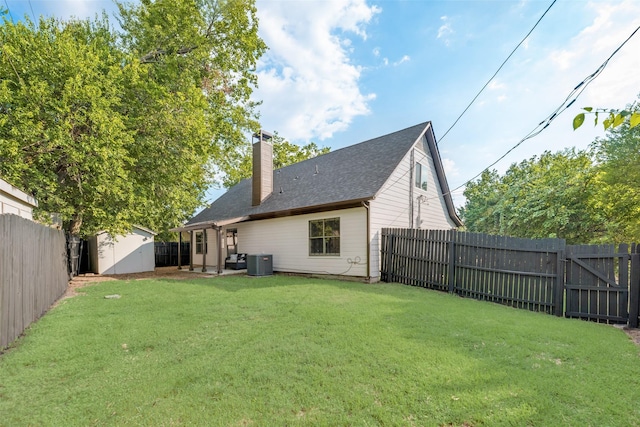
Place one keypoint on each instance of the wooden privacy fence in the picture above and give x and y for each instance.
(166, 253)
(587, 281)
(33, 273)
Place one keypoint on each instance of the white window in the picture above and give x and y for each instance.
(421, 176)
(200, 243)
(324, 236)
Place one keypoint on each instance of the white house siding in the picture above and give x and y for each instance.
(287, 239)
(15, 201)
(392, 205)
(132, 253)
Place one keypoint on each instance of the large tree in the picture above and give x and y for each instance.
(109, 129)
(552, 195)
(63, 134)
(618, 158)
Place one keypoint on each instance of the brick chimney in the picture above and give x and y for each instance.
(262, 167)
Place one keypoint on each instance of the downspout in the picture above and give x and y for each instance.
(411, 178)
(368, 208)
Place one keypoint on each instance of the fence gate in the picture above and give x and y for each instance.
(597, 282)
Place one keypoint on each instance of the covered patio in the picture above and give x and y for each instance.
(198, 239)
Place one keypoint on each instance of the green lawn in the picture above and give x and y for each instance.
(294, 351)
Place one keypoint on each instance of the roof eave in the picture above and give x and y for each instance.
(442, 179)
(209, 224)
(344, 204)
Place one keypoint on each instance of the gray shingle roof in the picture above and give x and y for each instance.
(349, 174)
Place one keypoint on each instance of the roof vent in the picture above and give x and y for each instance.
(316, 172)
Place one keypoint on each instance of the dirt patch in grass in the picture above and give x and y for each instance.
(89, 279)
(634, 334)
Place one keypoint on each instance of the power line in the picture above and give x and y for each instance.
(497, 71)
(8, 11)
(568, 102)
(32, 14)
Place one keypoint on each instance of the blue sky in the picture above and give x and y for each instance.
(340, 72)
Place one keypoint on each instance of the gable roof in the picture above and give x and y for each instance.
(341, 178)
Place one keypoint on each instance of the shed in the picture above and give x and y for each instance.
(15, 201)
(130, 253)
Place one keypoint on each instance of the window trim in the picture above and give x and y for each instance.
(324, 238)
(200, 234)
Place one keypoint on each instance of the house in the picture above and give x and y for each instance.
(15, 201)
(325, 215)
(130, 253)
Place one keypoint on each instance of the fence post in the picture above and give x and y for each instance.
(634, 289)
(558, 307)
(452, 262)
(390, 244)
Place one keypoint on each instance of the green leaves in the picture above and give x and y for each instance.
(107, 138)
(578, 121)
(546, 196)
(582, 196)
(614, 118)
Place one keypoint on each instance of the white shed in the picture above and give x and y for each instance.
(131, 253)
(15, 201)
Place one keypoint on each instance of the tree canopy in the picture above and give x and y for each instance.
(551, 195)
(618, 159)
(110, 129)
(589, 196)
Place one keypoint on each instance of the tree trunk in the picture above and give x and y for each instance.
(75, 224)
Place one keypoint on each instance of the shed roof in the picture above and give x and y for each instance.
(17, 194)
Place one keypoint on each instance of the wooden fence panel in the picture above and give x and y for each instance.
(597, 282)
(521, 273)
(33, 273)
(634, 286)
(166, 253)
(518, 272)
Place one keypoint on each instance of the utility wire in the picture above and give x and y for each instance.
(8, 11)
(32, 14)
(568, 102)
(497, 71)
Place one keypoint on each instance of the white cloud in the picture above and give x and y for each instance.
(564, 59)
(307, 80)
(450, 168)
(402, 60)
(496, 85)
(619, 83)
(445, 30)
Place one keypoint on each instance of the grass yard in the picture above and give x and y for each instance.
(238, 351)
